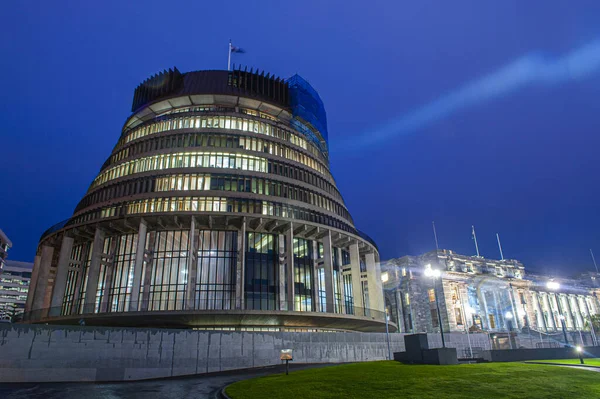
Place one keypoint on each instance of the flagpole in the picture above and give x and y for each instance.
(229, 57)
(594, 259)
(437, 247)
(500, 246)
(475, 238)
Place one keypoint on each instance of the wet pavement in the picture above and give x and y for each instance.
(204, 386)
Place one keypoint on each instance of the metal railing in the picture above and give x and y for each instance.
(213, 305)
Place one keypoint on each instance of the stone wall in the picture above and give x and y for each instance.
(60, 353)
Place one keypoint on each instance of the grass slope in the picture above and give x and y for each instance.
(390, 379)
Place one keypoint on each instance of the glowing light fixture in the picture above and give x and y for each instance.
(508, 315)
(552, 285)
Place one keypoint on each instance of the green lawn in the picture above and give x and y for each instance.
(389, 379)
(588, 362)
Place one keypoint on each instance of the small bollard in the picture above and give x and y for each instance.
(286, 354)
(579, 351)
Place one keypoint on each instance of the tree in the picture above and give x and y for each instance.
(595, 322)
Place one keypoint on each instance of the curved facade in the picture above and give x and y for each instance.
(215, 209)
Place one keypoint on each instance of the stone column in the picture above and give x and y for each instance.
(192, 268)
(289, 260)
(374, 283)
(110, 269)
(42, 280)
(140, 254)
(316, 300)
(33, 283)
(62, 271)
(240, 275)
(328, 266)
(356, 285)
(89, 303)
(342, 289)
(281, 273)
(147, 282)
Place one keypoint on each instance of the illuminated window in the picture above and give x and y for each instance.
(404, 272)
(407, 298)
(385, 277)
(431, 294)
(458, 315)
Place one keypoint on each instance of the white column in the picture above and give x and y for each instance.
(316, 300)
(62, 271)
(374, 283)
(94, 272)
(140, 253)
(342, 289)
(289, 260)
(240, 267)
(328, 266)
(42, 280)
(356, 285)
(282, 272)
(192, 268)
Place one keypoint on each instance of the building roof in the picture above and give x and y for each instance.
(5, 239)
(18, 264)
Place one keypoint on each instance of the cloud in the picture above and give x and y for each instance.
(532, 68)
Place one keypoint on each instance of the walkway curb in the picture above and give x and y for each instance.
(564, 364)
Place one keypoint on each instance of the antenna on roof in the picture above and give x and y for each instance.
(594, 259)
(437, 247)
(500, 246)
(474, 237)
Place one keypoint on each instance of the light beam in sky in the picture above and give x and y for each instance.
(529, 69)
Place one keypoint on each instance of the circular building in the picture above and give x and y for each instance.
(215, 210)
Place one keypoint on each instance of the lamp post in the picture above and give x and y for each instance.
(387, 333)
(579, 350)
(554, 286)
(434, 274)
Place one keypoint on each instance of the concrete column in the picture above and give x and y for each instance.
(94, 272)
(341, 281)
(144, 303)
(240, 275)
(62, 271)
(140, 253)
(108, 276)
(42, 280)
(328, 266)
(281, 273)
(541, 310)
(33, 282)
(374, 283)
(316, 300)
(289, 260)
(356, 285)
(192, 268)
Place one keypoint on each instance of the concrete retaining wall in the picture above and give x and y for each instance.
(31, 353)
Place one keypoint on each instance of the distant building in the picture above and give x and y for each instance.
(476, 293)
(14, 285)
(5, 244)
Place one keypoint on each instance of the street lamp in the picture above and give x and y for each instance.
(434, 274)
(554, 286)
(579, 350)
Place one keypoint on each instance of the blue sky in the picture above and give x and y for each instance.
(522, 162)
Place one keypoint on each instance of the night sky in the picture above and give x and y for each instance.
(521, 161)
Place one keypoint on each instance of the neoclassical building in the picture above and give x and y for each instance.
(483, 294)
(215, 209)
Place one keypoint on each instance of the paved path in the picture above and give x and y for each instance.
(204, 386)
(571, 366)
